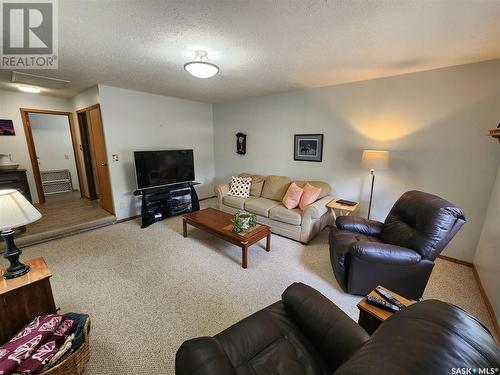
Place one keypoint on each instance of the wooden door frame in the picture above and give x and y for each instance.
(31, 147)
(87, 164)
(87, 110)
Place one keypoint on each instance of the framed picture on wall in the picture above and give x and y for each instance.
(7, 127)
(308, 147)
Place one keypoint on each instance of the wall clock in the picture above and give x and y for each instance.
(241, 143)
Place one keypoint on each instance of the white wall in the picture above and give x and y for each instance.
(434, 123)
(10, 103)
(487, 258)
(138, 121)
(53, 144)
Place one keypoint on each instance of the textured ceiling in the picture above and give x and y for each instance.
(263, 47)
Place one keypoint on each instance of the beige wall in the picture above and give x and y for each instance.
(10, 103)
(135, 120)
(487, 258)
(434, 123)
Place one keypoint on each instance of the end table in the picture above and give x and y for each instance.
(25, 297)
(343, 209)
(371, 317)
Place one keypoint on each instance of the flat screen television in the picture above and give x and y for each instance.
(160, 168)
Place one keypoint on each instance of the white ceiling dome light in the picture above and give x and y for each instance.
(200, 67)
(29, 89)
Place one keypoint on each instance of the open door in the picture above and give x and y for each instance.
(100, 158)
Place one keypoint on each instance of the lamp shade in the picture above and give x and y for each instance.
(375, 159)
(15, 210)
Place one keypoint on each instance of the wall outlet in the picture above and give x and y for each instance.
(115, 157)
(66, 157)
(122, 205)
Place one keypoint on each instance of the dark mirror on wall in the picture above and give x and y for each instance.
(241, 143)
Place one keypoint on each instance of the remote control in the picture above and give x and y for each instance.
(389, 297)
(382, 304)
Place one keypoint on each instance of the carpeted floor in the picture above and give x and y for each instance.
(148, 290)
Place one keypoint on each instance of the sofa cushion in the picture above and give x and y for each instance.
(236, 202)
(240, 187)
(285, 215)
(275, 187)
(269, 342)
(260, 206)
(257, 184)
(292, 196)
(325, 187)
(310, 195)
(340, 244)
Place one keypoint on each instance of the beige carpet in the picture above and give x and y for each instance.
(148, 290)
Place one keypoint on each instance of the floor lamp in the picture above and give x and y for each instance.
(374, 160)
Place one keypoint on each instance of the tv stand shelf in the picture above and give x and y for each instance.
(167, 201)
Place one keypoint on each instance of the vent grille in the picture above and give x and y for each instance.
(36, 80)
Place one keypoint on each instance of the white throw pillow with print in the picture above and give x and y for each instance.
(240, 187)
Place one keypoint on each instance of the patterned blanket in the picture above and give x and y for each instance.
(34, 346)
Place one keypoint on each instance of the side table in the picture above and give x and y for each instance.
(371, 317)
(344, 210)
(25, 297)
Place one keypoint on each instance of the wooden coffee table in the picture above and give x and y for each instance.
(219, 224)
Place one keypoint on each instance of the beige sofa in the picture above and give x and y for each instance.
(265, 199)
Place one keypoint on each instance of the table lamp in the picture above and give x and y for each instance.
(374, 159)
(15, 211)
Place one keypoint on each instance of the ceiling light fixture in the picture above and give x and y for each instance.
(200, 67)
(30, 89)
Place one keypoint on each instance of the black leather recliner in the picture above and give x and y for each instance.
(399, 253)
(306, 334)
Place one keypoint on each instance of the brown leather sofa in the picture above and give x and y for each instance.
(307, 334)
(399, 253)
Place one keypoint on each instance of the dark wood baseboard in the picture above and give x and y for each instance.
(484, 296)
(204, 199)
(455, 260)
(127, 219)
(487, 302)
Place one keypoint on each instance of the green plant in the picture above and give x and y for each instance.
(244, 222)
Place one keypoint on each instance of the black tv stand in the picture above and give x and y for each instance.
(167, 201)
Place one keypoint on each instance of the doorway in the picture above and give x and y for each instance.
(53, 153)
(89, 174)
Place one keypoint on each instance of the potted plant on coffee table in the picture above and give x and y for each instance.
(244, 222)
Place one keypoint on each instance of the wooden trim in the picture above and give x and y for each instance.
(127, 219)
(487, 302)
(72, 131)
(94, 106)
(204, 199)
(455, 260)
(32, 151)
(45, 111)
(84, 138)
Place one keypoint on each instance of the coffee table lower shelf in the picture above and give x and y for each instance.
(218, 223)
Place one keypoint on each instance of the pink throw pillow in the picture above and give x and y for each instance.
(292, 196)
(309, 195)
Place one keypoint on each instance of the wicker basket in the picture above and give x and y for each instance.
(74, 363)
